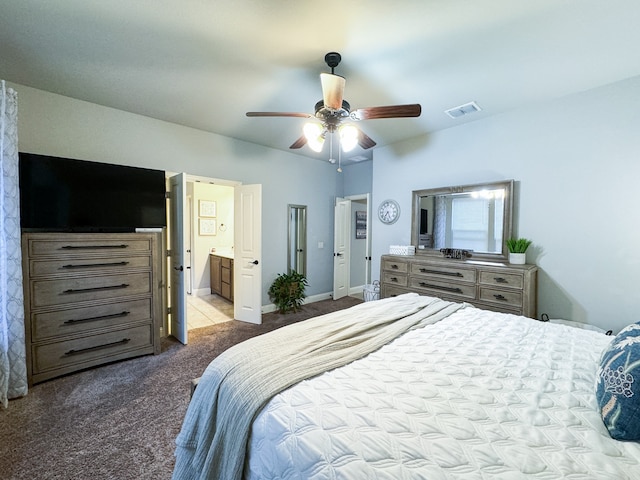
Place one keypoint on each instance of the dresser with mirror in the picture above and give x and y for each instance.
(460, 234)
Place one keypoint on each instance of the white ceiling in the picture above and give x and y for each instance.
(203, 64)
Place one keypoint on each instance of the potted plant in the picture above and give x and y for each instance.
(287, 291)
(517, 248)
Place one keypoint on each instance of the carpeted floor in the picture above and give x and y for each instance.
(119, 421)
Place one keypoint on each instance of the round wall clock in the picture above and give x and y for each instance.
(389, 211)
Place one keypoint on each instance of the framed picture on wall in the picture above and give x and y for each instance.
(361, 225)
(207, 208)
(208, 226)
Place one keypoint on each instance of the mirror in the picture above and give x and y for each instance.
(475, 218)
(297, 239)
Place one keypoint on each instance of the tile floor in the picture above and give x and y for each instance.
(207, 310)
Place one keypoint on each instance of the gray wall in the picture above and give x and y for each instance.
(56, 125)
(576, 163)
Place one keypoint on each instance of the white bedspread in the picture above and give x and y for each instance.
(477, 395)
(239, 382)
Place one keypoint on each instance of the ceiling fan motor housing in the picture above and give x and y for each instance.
(331, 117)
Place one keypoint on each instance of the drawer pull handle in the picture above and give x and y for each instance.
(124, 341)
(499, 297)
(394, 279)
(438, 287)
(89, 265)
(437, 272)
(93, 289)
(394, 267)
(95, 319)
(500, 280)
(91, 247)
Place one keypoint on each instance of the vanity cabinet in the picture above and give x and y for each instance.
(89, 299)
(492, 286)
(221, 276)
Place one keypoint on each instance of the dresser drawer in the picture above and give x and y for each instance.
(387, 291)
(508, 298)
(394, 279)
(48, 325)
(395, 266)
(444, 272)
(226, 262)
(435, 287)
(500, 279)
(88, 246)
(99, 265)
(81, 289)
(72, 352)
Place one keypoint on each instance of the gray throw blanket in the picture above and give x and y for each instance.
(239, 382)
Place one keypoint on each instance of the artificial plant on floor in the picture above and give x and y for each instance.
(287, 291)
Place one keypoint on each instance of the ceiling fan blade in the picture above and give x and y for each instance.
(365, 140)
(332, 90)
(391, 111)
(279, 114)
(299, 143)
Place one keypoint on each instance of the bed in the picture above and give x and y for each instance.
(414, 387)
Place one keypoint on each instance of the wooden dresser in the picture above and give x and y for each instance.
(221, 275)
(492, 286)
(89, 299)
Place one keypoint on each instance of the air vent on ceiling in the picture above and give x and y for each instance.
(462, 110)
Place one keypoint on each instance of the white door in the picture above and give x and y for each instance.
(341, 238)
(177, 202)
(247, 257)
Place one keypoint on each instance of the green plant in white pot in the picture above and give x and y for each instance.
(517, 250)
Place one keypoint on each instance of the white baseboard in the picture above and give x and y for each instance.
(356, 290)
(311, 299)
(201, 292)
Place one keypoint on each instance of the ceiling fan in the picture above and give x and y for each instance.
(333, 113)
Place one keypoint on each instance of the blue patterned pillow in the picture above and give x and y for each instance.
(618, 385)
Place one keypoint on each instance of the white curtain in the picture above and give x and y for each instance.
(13, 369)
(440, 225)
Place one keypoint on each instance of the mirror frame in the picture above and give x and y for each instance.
(301, 233)
(507, 221)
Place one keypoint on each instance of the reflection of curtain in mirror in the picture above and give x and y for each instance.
(13, 369)
(440, 222)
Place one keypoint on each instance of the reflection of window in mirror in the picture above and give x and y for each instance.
(469, 221)
(473, 217)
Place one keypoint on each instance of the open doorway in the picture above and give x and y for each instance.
(352, 245)
(360, 271)
(210, 218)
(210, 240)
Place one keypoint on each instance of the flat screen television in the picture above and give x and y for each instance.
(66, 195)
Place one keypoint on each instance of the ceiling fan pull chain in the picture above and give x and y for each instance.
(331, 159)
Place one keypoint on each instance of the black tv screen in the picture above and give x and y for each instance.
(65, 195)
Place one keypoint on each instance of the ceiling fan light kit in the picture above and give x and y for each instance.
(333, 110)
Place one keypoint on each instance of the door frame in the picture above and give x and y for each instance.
(367, 203)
